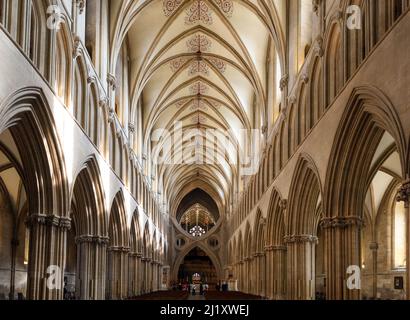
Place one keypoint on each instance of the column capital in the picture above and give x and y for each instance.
(92, 239)
(135, 255)
(403, 194)
(275, 248)
(112, 82)
(283, 204)
(304, 238)
(284, 82)
(48, 220)
(119, 249)
(341, 222)
(316, 4)
(81, 5)
(131, 127)
(259, 254)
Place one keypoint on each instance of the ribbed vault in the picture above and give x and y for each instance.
(198, 85)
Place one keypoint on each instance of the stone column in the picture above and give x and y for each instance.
(276, 272)
(138, 275)
(301, 262)
(14, 246)
(151, 275)
(251, 275)
(91, 267)
(341, 237)
(50, 68)
(160, 276)
(404, 196)
(269, 272)
(133, 274)
(374, 247)
(241, 266)
(147, 274)
(262, 272)
(235, 273)
(246, 275)
(48, 239)
(117, 268)
(154, 268)
(255, 274)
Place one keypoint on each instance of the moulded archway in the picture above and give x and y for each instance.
(28, 117)
(213, 258)
(87, 240)
(368, 116)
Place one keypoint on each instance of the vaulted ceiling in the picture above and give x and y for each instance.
(201, 64)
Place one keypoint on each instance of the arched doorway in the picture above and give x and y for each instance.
(197, 267)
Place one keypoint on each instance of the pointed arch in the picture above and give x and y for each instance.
(79, 94)
(368, 115)
(135, 234)
(63, 62)
(118, 232)
(88, 200)
(28, 116)
(275, 233)
(333, 61)
(188, 249)
(304, 196)
(259, 232)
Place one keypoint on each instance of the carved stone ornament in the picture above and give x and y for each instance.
(341, 222)
(301, 239)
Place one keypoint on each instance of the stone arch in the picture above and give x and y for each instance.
(303, 113)
(79, 91)
(27, 115)
(117, 266)
(89, 199)
(368, 117)
(92, 120)
(187, 250)
(316, 95)
(87, 239)
(275, 248)
(118, 222)
(275, 232)
(63, 61)
(305, 192)
(135, 234)
(302, 229)
(333, 61)
(37, 37)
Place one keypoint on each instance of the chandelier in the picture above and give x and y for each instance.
(197, 231)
